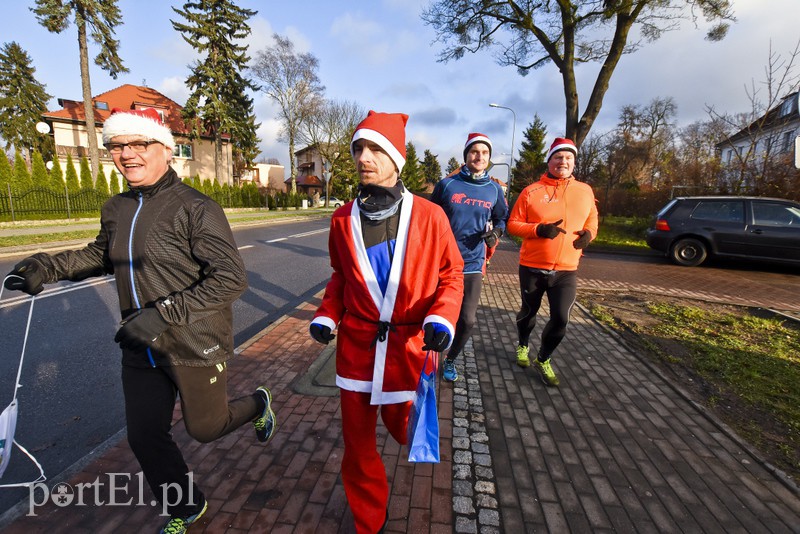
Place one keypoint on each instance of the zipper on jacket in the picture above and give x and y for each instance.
(130, 268)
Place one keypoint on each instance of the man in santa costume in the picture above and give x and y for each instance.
(395, 293)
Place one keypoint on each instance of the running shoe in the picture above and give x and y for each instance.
(450, 374)
(178, 525)
(265, 424)
(522, 356)
(546, 372)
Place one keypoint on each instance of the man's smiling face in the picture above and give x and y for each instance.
(141, 169)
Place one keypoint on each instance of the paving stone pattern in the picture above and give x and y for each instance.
(617, 448)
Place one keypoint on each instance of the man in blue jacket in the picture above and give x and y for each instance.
(477, 210)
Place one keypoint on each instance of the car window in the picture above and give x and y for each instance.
(775, 214)
(719, 210)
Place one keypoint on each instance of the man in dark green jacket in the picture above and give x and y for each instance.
(178, 272)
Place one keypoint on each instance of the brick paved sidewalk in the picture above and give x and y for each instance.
(615, 448)
(290, 485)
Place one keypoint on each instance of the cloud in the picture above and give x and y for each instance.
(372, 42)
(260, 35)
(175, 88)
(442, 117)
(408, 91)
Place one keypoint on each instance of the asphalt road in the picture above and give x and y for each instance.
(70, 402)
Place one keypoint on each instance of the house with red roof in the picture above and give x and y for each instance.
(191, 156)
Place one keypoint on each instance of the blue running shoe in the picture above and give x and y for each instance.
(450, 374)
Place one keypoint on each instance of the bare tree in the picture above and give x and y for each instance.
(330, 130)
(528, 34)
(290, 79)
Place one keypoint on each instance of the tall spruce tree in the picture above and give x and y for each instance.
(22, 100)
(100, 17)
(530, 164)
(412, 170)
(431, 169)
(219, 102)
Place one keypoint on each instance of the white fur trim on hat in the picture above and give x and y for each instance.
(559, 144)
(134, 122)
(380, 140)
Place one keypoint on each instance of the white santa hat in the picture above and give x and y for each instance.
(388, 131)
(143, 122)
(562, 143)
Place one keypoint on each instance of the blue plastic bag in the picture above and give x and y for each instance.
(423, 421)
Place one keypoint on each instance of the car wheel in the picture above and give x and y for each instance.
(688, 252)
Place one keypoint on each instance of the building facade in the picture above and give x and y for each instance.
(191, 157)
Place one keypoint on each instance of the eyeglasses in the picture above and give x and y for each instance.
(136, 146)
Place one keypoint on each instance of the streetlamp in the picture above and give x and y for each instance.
(513, 130)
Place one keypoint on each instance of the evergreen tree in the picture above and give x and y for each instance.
(452, 166)
(531, 162)
(412, 171)
(219, 102)
(207, 187)
(101, 184)
(113, 180)
(431, 169)
(56, 177)
(22, 100)
(71, 177)
(39, 177)
(86, 175)
(101, 17)
(22, 178)
(197, 183)
(6, 173)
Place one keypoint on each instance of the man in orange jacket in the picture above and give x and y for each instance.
(556, 218)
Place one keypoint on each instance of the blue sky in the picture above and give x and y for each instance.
(381, 55)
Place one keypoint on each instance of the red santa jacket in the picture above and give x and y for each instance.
(425, 285)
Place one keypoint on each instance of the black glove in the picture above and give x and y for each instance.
(140, 329)
(584, 237)
(550, 231)
(27, 276)
(491, 237)
(436, 337)
(321, 333)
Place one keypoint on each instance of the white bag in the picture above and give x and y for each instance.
(8, 420)
(8, 423)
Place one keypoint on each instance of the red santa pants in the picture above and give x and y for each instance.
(363, 472)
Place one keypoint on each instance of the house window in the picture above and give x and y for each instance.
(788, 139)
(789, 105)
(101, 105)
(182, 151)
